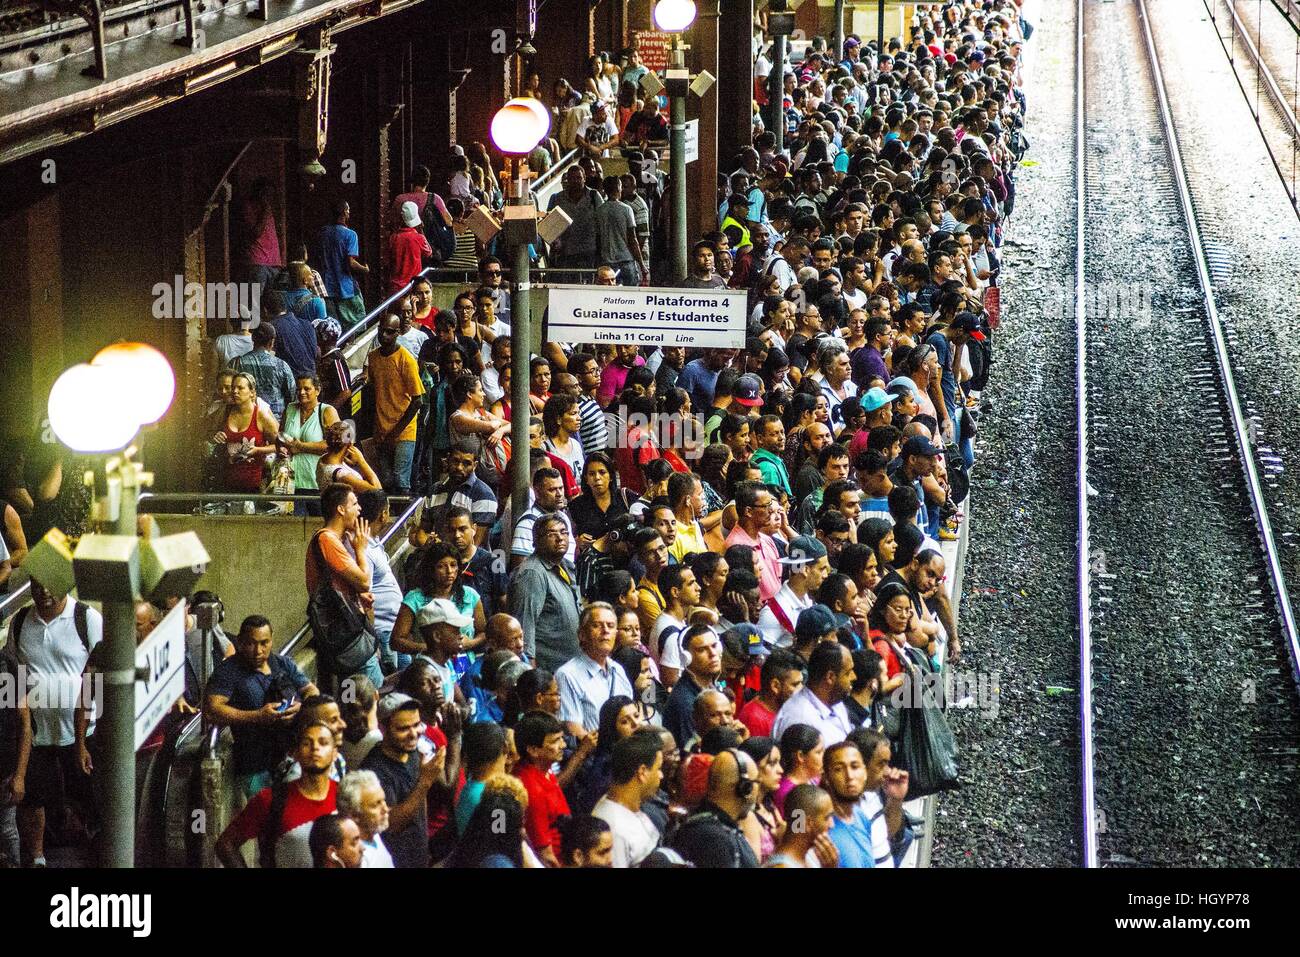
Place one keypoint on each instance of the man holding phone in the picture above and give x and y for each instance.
(257, 694)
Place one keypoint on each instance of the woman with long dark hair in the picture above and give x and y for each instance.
(640, 669)
(766, 754)
(601, 498)
(619, 717)
(889, 621)
(438, 575)
(494, 836)
(801, 759)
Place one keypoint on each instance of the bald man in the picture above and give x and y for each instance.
(711, 837)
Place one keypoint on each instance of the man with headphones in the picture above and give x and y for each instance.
(711, 837)
(335, 842)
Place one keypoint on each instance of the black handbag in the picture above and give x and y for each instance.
(926, 748)
(340, 633)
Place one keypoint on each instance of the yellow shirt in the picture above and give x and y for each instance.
(652, 606)
(396, 380)
(689, 541)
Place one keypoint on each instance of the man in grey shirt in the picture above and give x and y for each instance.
(544, 596)
(616, 242)
(576, 247)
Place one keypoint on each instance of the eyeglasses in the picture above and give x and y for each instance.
(491, 272)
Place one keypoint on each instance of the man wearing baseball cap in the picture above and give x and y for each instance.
(808, 566)
(916, 461)
(440, 624)
(407, 248)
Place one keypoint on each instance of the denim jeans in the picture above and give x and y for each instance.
(389, 660)
(395, 466)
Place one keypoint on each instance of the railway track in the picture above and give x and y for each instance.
(1187, 642)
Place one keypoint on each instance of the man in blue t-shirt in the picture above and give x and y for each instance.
(338, 251)
(257, 694)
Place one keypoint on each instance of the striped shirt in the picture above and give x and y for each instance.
(522, 543)
(594, 431)
(473, 495)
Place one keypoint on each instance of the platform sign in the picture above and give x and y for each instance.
(644, 316)
(692, 150)
(653, 47)
(162, 661)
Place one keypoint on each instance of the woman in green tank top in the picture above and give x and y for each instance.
(303, 431)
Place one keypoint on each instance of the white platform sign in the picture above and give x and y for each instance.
(644, 316)
(692, 150)
(162, 658)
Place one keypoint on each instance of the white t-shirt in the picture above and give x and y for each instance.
(635, 835)
(375, 855)
(598, 134)
(55, 658)
(668, 647)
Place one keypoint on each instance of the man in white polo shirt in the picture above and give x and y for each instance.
(51, 641)
(820, 703)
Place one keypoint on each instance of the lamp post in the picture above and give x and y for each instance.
(99, 408)
(880, 32)
(780, 23)
(516, 130)
(674, 17)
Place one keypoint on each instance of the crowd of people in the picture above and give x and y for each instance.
(683, 651)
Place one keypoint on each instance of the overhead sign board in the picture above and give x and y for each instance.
(161, 659)
(653, 47)
(644, 316)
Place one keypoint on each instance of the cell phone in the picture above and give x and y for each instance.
(287, 703)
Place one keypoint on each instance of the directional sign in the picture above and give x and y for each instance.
(693, 318)
(692, 150)
(161, 659)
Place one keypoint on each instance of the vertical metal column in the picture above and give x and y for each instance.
(116, 728)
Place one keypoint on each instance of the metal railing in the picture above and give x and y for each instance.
(1266, 84)
(212, 734)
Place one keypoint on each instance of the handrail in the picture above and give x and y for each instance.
(561, 165)
(165, 497)
(213, 733)
(374, 314)
(14, 600)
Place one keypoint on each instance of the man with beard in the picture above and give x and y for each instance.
(406, 776)
(280, 817)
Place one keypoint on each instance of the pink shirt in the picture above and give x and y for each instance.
(769, 560)
(612, 380)
(264, 250)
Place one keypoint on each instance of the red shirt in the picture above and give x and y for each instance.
(406, 249)
(439, 805)
(883, 648)
(546, 803)
(758, 718)
(291, 848)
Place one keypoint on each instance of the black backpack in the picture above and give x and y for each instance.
(441, 236)
(79, 620)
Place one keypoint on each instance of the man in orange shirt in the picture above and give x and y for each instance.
(395, 377)
(339, 550)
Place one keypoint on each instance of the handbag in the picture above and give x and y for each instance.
(926, 749)
(340, 633)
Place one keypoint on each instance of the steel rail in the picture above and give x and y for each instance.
(1268, 81)
(1239, 428)
(1081, 410)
